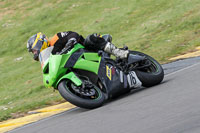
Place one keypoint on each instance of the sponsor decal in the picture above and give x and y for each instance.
(113, 70)
(63, 34)
(109, 72)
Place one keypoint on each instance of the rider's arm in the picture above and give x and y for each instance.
(63, 38)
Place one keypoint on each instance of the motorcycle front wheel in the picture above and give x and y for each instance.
(88, 98)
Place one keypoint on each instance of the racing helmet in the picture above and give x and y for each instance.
(36, 44)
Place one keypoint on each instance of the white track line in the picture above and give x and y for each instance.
(183, 69)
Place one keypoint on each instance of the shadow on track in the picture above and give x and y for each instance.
(78, 110)
(134, 91)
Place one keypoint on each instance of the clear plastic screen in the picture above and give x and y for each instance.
(44, 55)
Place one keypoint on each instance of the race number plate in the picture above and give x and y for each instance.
(133, 80)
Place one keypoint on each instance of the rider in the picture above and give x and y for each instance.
(95, 42)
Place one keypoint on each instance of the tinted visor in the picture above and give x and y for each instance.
(36, 48)
(37, 45)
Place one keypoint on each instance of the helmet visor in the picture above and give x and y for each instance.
(36, 48)
(38, 45)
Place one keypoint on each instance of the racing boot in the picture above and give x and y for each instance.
(112, 49)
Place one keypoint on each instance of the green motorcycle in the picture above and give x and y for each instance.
(87, 79)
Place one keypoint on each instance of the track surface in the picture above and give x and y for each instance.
(171, 107)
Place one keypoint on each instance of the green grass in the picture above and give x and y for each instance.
(159, 28)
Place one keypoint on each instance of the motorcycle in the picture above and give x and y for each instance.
(87, 79)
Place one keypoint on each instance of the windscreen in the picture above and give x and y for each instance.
(44, 55)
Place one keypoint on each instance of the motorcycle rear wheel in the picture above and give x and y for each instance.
(150, 76)
(66, 90)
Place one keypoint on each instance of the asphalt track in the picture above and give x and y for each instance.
(171, 107)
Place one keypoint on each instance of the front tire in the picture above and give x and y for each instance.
(149, 76)
(66, 90)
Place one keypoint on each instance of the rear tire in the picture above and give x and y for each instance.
(68, 94)
(152, 77)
